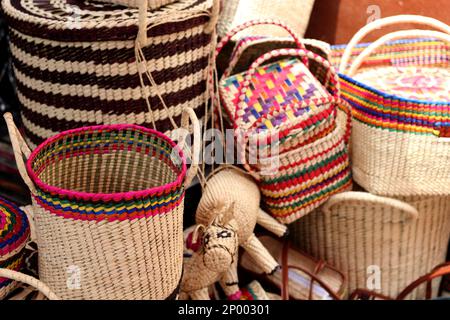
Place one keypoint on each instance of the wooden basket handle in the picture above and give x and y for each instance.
(364, 198)
(21, 277)
(21, 150)
(390, 37)
(189, 115)
(385, 22)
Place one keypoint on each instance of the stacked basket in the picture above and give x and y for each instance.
(82, 64)
(399, 93)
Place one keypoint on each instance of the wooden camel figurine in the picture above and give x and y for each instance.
(212, 256)
(231, 185)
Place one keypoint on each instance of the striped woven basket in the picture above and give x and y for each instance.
(76, 63)
(400, 93)
(379, 243)
(14, 235)
(108, 208)
(289, 135)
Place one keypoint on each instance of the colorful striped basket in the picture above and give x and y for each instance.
(399, 91)
(78, 63)
(288, 132)
(14, 235)
(108, 208)
(379, 243)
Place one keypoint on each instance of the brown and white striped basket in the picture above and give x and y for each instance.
(76, 63)
(366, 236)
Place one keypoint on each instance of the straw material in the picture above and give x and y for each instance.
(76, 63)
(283, 106)
(151, 4)
(108, 208)
(14, 234)
(355, 230)
(296, 13)
(32, 282)
(254, 291)
(210, 259)
(399, 92)
(232, 186)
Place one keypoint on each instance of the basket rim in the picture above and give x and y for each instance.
(115, 196)
(17, 241)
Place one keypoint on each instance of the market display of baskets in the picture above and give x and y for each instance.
(82, 64)
(400, 97)
(117, 193)
(14, 235)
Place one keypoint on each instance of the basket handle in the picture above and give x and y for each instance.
(385, 22)
(21, 150)
(439, 271)
(21, 277)
(360, 198)
(394, 36)
(189, 115)
(334, 79)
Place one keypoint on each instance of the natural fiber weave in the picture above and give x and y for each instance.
(151, 4)
(14, 234)
(400, 96)
(356, 231)
(75, 63)
(108, 209)
(282, 106)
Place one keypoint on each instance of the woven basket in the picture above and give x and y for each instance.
(400, 96)
(235, 12)
(108, 208)
(14, 234)
(76, 63)
(356, 230)
(150, 4)
(283, 106)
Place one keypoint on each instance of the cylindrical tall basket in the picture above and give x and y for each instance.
(78, 63)
(380, 244)
(108, 208)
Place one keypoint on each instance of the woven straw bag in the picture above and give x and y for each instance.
(361, 234)
(108, 207)
(14, 235)
(76, 63)
(283, 107)
(236, 12)
(148, 4)
(400, 96)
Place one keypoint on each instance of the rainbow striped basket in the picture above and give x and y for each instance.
(108, 208)
(399, 91)
(14, 235)
(290, 135)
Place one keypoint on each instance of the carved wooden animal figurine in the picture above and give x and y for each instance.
(213, 256)
(235, 187)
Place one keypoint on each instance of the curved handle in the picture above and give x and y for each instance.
(333, 78)
(439, 271)
(394, 36)
(385, 22)
(189, 114)
(215, 13)
(21, 150)
(363, 198)
(21, 277)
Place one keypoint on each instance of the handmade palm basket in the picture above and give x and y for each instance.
(78, 63)
(288, 132)
(399, 89)
(108, 206)
(14, 234)
(379, 243)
